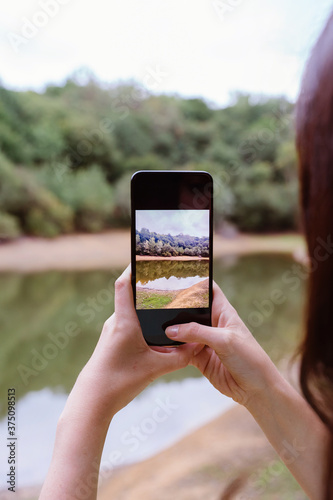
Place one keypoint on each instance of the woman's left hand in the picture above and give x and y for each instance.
(122, 364)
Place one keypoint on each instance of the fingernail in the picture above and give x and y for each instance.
(172, 331)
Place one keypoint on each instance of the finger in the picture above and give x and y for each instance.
(173, 358)
(124, 300)
(221, 307)
(195, 348)
(202, 358)
(217, 338)
(162, 348)
(126, 319)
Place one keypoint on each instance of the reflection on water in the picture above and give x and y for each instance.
(38, 311)
(170, 274)
(147, 270)
(250, 283)
(171, 283)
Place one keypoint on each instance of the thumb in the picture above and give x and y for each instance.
(166, 359)
(124, 300)
(219, 339)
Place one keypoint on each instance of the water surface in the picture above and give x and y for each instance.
(41, 360)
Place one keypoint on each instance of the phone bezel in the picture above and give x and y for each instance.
(143, 184)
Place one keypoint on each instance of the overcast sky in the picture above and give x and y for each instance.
(191, 222)
(190, 47)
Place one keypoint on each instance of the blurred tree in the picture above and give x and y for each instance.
(67, 154)
(196, 110)
(38, 211)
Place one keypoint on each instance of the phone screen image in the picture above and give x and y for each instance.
(171, 250)
(172, 259)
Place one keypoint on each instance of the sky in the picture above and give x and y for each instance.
(191, 222)
(195, 48)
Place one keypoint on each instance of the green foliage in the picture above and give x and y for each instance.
(146, 299)
(196, 110)
(146, 162)
(67, 155)
(133, 137)
(167, 245)
(285, 162)
(9, 227)
(122, 201)
(38, 225)
(258, 208)
(86, 192)
(38, 211)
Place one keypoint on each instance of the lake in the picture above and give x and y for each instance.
(158, 283)
(170, 273)
(42, 364)
(149, 271)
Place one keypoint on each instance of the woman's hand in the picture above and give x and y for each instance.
(230, 357)
(122, 364)
(238, 367)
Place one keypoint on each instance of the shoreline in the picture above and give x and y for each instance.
(204, 463)
(112, 250)
(181, 471)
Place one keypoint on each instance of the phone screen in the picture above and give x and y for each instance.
(171, 250)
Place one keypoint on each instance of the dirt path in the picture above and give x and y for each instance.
(112, 250)
(194, 296)
(70, 252)
(229, 450)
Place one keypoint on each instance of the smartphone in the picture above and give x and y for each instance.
(171, 250)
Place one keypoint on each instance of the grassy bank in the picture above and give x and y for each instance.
(153, 299)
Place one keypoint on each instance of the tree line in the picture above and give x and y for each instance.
(166, 245)
(67, 155)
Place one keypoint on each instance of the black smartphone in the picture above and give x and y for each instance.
(171, 247)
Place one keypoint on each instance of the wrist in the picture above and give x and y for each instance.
(89, 404)
(273, 389)
(79, 443)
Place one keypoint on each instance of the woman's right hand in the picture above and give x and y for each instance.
(239, 368)
(230, 357)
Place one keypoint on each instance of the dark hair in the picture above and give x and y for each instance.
(314, 139)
